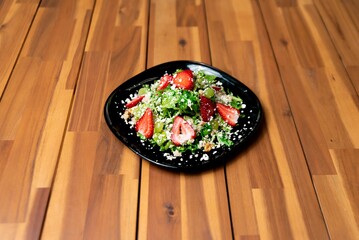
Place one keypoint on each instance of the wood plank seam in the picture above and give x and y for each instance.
(8, 76)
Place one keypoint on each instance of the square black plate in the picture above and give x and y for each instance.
(246, 126)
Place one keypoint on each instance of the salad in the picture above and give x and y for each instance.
(184, 111)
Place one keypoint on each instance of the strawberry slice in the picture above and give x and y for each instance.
(217, 88)
(164, 81)
(182, 131)
(207, 108)
(229, 114)
(145, 124)
(184, 80)
(134, 101)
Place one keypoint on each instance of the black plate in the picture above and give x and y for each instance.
(247, 126)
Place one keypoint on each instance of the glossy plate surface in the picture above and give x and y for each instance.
(247, 126)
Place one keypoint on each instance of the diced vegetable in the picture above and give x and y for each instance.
(189, 111)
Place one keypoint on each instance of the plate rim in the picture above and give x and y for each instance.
(204, 164)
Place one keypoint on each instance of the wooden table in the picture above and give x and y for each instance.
(64, 175)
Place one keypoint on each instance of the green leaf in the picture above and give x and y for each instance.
(206, 129)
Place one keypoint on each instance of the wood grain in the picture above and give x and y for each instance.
(98, 177)
(64, 175)
(34, 110)
(174, 205)
(342, 23)
(15, 21)
(324, 88)
(268, 180)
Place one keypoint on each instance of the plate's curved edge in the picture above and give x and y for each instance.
(120, 137)
(205, 164)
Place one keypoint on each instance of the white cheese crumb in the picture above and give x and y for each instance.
(205, 157)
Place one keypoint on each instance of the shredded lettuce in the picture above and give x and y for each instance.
(170, 102)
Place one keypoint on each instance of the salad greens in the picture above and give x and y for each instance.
(172, 101)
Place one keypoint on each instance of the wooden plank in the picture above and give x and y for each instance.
(33, 113)
(342, 23)
(336, 207)
(270, 188)
(97, 178)
(15, 21)
(177, 205)
(298, 56)
(321, 95)
(352, 8)
(345, 161)
(339, 195)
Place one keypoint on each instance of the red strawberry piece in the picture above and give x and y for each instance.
(164, 81)
(228, 113)
(145, 124)
(184, 80)
(207, 108)
(182, 131)
(134, 101)
(217, 88)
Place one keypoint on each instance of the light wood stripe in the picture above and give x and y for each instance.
(316, 90)
(176, 205)
(64, 175)
(279, 185)
(107, 188)
(15, 21)
(38, 80)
